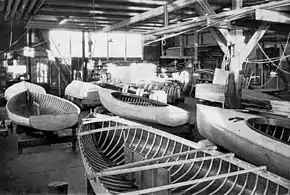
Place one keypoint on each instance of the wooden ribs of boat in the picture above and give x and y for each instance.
(261, 141)
(83, 93)
(125, 157)
(42, 111)
(22, 86)
(143, 109)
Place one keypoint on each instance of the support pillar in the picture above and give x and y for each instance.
(84, 66)
(166, 23)
(28, 59)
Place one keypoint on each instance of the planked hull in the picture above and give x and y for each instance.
(22, 86)
(139, 108)
(86, 93)
(42, 111)
(118, 156)
(241, 137)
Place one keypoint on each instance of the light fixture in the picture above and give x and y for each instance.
(226, 9)
(273, 74)
(63, 21)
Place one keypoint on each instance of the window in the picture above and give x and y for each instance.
(59, 43)
(41, 71)
(66, 44)
(116, 45)
(134, 46)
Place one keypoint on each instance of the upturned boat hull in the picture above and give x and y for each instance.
(124, 157)
(22, 86)
(143, 109)
(42, 111)
(83, 93)
(237, 132)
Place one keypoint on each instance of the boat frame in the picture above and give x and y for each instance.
(146, 164)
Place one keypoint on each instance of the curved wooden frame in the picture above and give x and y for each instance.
(140, 101)
(268, 122)
(192, 169)
(42, 111)
(22, 86)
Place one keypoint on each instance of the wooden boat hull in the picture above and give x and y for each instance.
(238, 136)
(22, 86)
(42, 111)
(216, 92)
(86, 93)
(125, 157)
(164, 114)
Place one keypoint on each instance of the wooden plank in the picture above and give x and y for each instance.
(160, 158)
(36, 108)
(272, 16)
(150, 14)
(186, 183)
(109, 129)
(160, 165)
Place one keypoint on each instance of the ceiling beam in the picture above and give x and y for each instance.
(2, 5)
(14, 8)
(82, 11)
(55, 24)
(91, 22)
(31, 6)
(83, 15)
(20, 12)
(38, 6)
(96, 5)
(151, 14)
(272, 16)
(147, 2)
(45, 25)
(8, 9)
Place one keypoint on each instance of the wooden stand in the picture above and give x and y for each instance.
(26, 142)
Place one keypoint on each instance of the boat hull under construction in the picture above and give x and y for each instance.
(124, 157)
(83, 93)
(143, 109)
(261, 141)
(42, 111)
(22, 86)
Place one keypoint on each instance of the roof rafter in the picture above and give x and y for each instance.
(150, 14)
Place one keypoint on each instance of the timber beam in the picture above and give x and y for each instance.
(150, 14)
(241, 57)
(272, 16)
(222, 36)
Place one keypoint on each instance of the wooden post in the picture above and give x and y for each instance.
(74, 138)
(84, 67)
(59, 80)
(29, 41)
(181, 40)
(166, 23)
(195, 57)
(234, 87)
